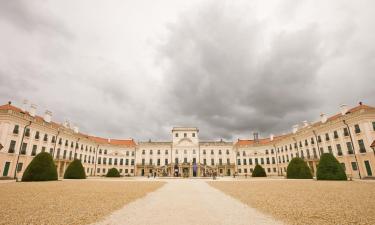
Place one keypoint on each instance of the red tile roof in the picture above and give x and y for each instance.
(99, 140)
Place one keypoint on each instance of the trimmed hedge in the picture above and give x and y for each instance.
(259, 171)
(329, 168)
(113, 173)
(298, 169)
(41, 168)
(75, 170)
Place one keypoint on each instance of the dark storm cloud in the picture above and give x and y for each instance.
(217, 75)
(229, 68)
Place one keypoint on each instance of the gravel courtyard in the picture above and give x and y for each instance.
(67, 202)
(307, 202)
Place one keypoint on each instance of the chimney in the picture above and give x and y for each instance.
(32, 110)
(48, 116)
(256, 139)
(305, 123)
(323, 118)
(344, 109)
(271, 137)
(25, 104)
(109, 140)
(66, 124)
(75, 129)
(295, 129)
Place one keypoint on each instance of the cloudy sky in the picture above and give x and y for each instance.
(137, 68)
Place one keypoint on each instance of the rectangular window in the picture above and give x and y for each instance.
(327, 137)
(150, 161)
(343, 166)
(16, 129)
(239, 162)
(212, 162)
(12, 146)
(158, 162)
(268, 160)
(132, 162)
(357, 130)
(244, 161)
(228, 161)
(250, 161)
(143, 162)
(350, 147)
(220, 162)
(330, 149)
(339, 151)
(166, 162)
(105, 161)
(27, 132)
(354, 166)
(115, 162)
(346, 132)
(362, 148)
(99, 160)
(121, 162)
(185, 160)
(126, 162)
(256, 161)
(19, 167)
(335, 134)
(204, 162)
(23, 149)
(262, 160)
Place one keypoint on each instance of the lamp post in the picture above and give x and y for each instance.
(19, 151)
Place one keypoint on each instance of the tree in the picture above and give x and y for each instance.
(113, 173)
(329, 168)
(298, 169)
(75, 170)
(259, 171)
(41, 168)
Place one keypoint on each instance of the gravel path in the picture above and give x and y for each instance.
(187, 202)
(307, 202)
(67, 202)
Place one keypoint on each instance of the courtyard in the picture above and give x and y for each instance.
(188, 201)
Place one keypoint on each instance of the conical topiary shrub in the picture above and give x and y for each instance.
(259, 171)
(329, 168)
(298, 169)
(75, 170)
(41, 168)
(113, 173)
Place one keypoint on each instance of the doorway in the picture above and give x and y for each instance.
(142, 172)
(6, 169)
(368, 168)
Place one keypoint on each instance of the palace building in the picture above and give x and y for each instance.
(348, 135)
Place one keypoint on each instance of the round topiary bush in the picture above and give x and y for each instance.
(41, 168)
(298, 169)
(75, 170)
(113, 173)
(259, 171)
(329, 168)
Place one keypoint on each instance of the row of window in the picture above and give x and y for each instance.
(116, 161)
(185, 135)
(158, 152)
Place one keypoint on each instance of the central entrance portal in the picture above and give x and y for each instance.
(185, 171)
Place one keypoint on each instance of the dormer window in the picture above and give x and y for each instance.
(193, 135)
(176, 134)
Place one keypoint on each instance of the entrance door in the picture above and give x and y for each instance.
(143, 172)
(368, 168)
(228, 172)
(6, 169)
(185, 172)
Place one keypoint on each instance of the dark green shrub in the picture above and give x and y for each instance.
(298, 169)
(41, 168)
(75, 170)
(259, 171)
(329, 168)
(113, 173)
